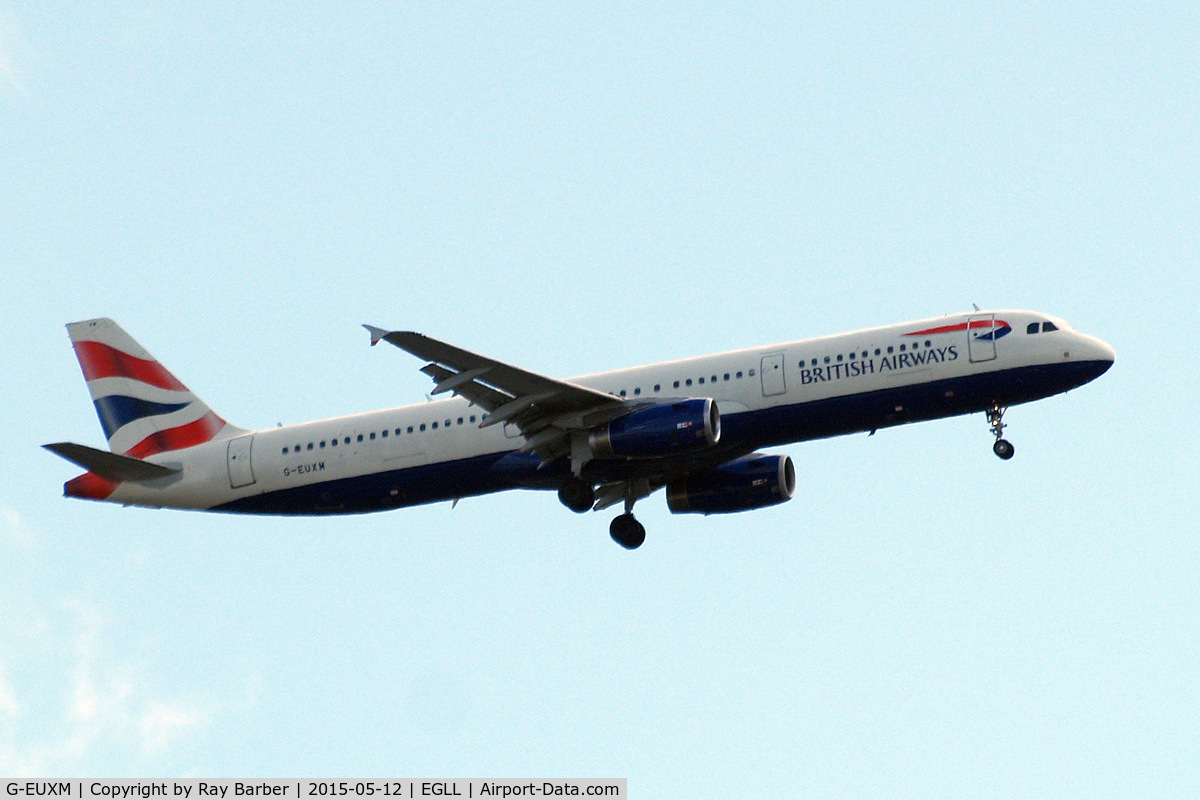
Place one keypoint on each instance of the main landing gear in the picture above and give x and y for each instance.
(627, 531)
(1002, 448)
(624, 529)
(577, 495)
(580, 496)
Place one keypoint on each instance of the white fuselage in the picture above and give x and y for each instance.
(766, 396)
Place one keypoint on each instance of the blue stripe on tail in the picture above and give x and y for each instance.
(116, 411)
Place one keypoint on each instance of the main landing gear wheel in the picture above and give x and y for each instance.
(627, 531)
(1003, 448)
(577, 495)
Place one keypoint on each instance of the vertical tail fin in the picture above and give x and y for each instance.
(143, 408)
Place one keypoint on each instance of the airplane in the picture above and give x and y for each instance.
(696, 427)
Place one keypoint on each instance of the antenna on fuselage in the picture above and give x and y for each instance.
(976, 307)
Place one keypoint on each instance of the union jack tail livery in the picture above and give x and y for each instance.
(143, 409)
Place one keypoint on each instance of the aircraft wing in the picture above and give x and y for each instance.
(546, 410)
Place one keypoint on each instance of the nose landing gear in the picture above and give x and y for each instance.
(1002, 448)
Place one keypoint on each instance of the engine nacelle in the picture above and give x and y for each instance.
(754, 481)
(662, 430)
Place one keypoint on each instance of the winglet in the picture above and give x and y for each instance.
(376, 334)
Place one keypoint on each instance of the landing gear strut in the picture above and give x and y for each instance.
(1002, 448)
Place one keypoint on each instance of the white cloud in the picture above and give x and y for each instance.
(107, 709)
(162, 725)
(8, 700)
(10, 43)
(16, 532)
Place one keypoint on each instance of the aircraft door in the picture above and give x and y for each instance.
(237, 455)
(981, 338)
(773, 382)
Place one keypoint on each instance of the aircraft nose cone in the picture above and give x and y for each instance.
(1102, 352)
(1094, 356)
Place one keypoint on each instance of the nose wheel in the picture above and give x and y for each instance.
(1002, 448)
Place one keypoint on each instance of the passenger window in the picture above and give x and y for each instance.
(726, 376)
(333, 442)
(901, 348)
(285, 451)
(891, 349)
(676, 384)
(346, 440)
(839, 358)
(447, 423)
(360, 437)
(1048, 326)
(435, 426)
(658, 387)
(309, 446)
(622, 393)
(701, 381)
(1032, 328)
(397, 431)
(460, 420)
(714, 378)
(384, 434)
(322, 445)
(826, 359)
(422, 426)
(738, 376)
(472, 418)
(877, 351)
(928, 343)
(410, 428)
(372, 436)
(752, 373)
(637, 390)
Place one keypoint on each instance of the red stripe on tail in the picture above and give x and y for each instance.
(190, 435)
(101, 361)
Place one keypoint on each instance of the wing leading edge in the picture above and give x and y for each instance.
(546, 410)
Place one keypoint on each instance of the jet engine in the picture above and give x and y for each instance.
(661, 430)
(754, 481)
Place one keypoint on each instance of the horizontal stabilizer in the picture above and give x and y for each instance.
(109, 465)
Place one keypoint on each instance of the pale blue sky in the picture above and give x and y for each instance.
(575, 189)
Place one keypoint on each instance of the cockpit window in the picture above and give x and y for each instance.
(1033, 327)
(1048, 326)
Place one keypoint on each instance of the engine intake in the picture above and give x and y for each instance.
(754, 481)
(660, 430)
